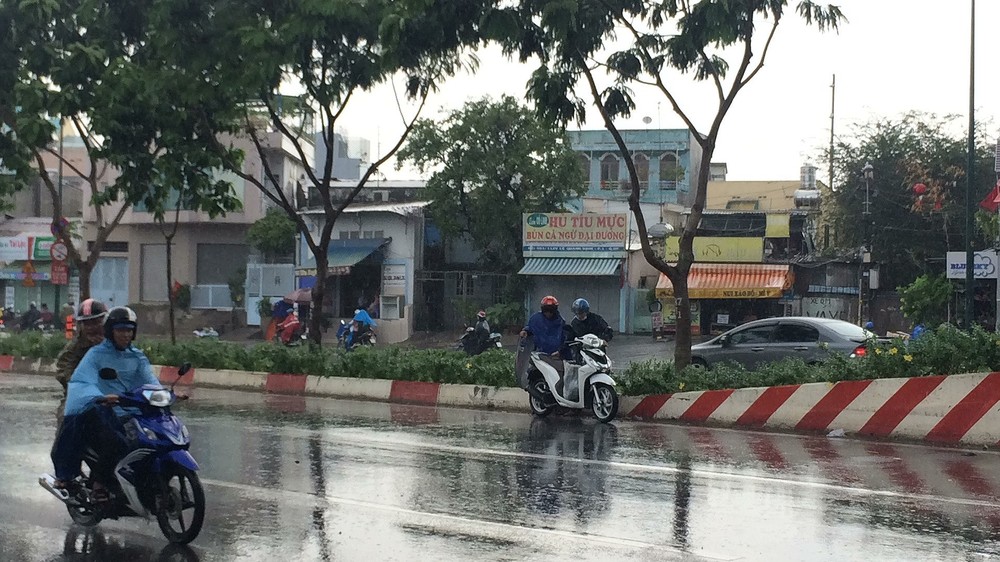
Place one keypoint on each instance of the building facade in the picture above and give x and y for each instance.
(666, 160)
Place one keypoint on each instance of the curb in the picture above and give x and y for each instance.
(956, 409)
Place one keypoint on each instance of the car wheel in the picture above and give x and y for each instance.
(699, 364)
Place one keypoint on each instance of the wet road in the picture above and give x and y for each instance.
(291, 478)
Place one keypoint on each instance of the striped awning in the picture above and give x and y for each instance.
(570, 266)
(732, 281)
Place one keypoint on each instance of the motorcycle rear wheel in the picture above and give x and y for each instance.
(83, 516)
(180, 493)
(539, 408)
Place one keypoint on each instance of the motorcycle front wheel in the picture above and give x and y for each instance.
(180, 505)
(605, 402)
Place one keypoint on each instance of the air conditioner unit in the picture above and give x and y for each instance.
(380, 195)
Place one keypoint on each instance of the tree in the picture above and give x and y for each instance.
(926, 300)
(273, 235)
(692, 38)
(334, 51)
(906, 228)
(109, 71)
(493, 161)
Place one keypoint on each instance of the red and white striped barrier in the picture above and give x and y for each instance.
(940, 409)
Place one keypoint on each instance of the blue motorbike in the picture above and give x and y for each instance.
(157, 476)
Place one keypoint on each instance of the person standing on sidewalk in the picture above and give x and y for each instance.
(90, 332)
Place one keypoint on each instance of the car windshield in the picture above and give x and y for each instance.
(848, 330)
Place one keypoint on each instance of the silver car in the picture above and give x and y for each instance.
(773, 339)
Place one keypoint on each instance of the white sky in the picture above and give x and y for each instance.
(892, 56)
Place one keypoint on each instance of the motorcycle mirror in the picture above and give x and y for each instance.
(108, 374)
(181, 371)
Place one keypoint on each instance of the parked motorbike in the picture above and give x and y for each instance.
(157, 477)
(465, 342)
(583, 383)
(367, 337)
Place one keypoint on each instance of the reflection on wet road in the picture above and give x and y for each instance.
(294, 478)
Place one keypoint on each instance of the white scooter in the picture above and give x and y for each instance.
(586, 383)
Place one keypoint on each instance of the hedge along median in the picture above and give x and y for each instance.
(945, 350)
(961, 408)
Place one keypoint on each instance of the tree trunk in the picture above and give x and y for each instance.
(318, 294)
(84, 269)
(170, 290)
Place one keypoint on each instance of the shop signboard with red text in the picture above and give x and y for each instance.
(580, 235)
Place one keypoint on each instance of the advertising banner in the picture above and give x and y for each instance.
(985, 265)
(585, 235)
(708, 249)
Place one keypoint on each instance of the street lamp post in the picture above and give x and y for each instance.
(869, 174)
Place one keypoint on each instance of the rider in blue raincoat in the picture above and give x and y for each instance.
(361, 323)
(107, 370)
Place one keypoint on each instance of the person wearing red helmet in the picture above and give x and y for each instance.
(547, 328)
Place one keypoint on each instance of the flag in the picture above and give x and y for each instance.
(990, 203)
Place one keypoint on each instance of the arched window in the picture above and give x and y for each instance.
(585, 168)
(641, 163)
(609, 171)
(670, 171)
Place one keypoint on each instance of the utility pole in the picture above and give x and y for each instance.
(969, 173)
(833, 103)
(866, 249)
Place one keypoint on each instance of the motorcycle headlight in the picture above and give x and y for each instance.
(159, 398)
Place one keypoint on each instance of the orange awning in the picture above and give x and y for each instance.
(732, 281)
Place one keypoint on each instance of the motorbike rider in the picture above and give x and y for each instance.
(289, 326)
(30, 318)
(480, 336)
(360, 325)
(90, 332)
(45, 316)
(547, 329)
(108, 368)
(587, 322)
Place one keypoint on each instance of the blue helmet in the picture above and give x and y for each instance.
(580, 305)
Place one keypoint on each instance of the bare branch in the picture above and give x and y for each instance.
(763, 55)
(633, 201)
(659, 81)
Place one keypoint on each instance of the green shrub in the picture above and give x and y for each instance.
(503, 316)
(945, 350)
(265, 308)
(32, 344)
(652, 376)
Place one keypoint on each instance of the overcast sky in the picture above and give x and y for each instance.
(892, 56)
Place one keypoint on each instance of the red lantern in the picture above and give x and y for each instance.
(938, 205)
(919, 189)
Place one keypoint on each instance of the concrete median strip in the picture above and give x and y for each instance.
(955, 409)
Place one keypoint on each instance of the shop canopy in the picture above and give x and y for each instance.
(570, 266)
(732, 281)
(343, 254)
